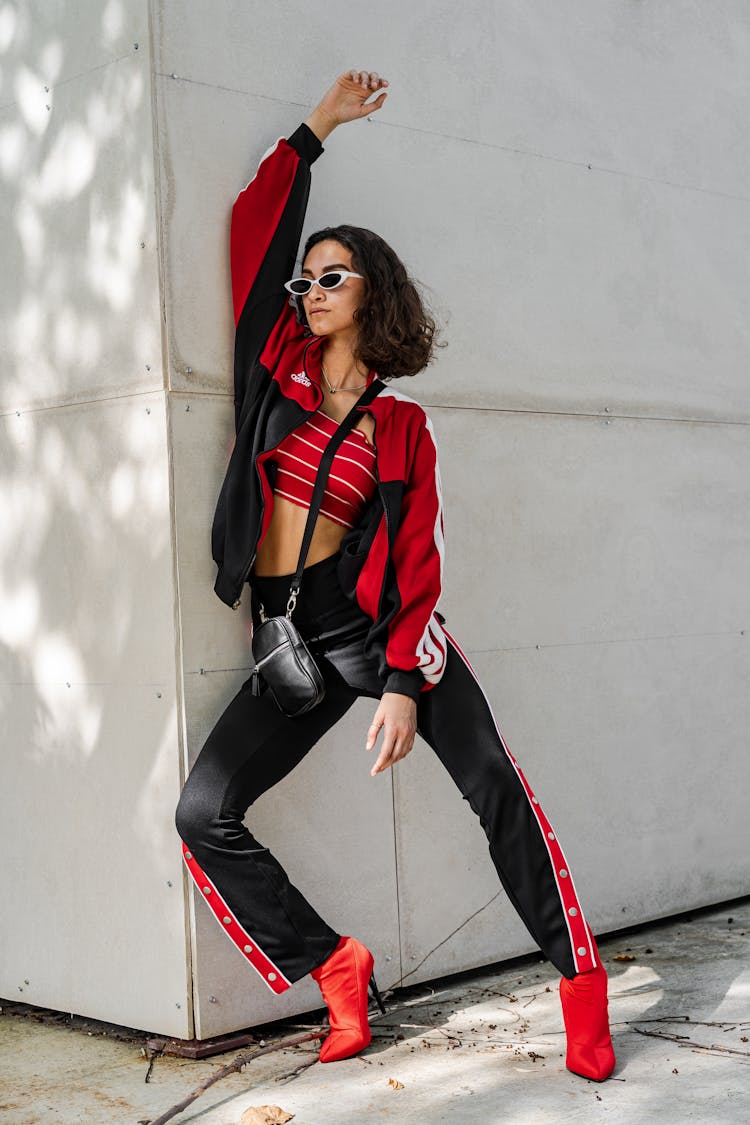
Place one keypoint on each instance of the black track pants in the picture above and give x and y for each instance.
(253, 746)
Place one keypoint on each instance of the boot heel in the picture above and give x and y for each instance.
(376, 994)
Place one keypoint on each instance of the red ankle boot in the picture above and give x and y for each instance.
(343, 979)
(584, 1006)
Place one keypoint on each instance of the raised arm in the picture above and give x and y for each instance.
(268, 215)
(267, 219)
(347, 101)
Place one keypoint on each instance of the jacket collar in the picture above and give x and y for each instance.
(300, 377)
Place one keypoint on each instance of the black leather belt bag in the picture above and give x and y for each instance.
(283, 660)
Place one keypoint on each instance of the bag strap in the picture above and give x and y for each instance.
(374, 389)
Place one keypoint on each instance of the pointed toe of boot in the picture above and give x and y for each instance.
(596, 1063)
(344, 1044)
(343, 979)
(584, 1005)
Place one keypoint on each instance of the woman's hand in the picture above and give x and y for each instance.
(398, 715)
(347, 101)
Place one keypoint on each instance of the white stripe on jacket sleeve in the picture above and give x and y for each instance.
(432, 646)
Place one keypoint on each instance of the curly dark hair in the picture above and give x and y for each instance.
(397, 334)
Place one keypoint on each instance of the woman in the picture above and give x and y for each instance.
(367, 604)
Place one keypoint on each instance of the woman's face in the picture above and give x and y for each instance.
(331, 311)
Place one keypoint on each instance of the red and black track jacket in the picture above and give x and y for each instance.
(392, 561)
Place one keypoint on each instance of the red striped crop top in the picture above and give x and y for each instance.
(351, 481)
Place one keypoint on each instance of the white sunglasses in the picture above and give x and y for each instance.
(301, 286)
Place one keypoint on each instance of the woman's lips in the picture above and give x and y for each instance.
(315, 312)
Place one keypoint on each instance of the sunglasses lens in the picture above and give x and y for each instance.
(300, 286)
(331, 280)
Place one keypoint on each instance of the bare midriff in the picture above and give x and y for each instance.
(279, 551)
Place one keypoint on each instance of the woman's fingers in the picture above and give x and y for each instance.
(374, 730)
(396, 716)
(370, 107)
(369, 78)
(395, 747)
(386, 757)
(347, 98)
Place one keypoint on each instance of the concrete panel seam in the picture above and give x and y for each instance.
(394, 811)
(605, 415)
(191, 987)
(474, 141)
(72, 403)
(609, 641)
(210, 671)
(448, 937)
(230, 89)
(563, 160)
(159, 196)
(75, 77)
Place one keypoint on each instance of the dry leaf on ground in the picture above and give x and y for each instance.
(395, 1085)
(624, 957)
(265, 1115)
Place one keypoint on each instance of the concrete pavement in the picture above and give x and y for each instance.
(483, 1047)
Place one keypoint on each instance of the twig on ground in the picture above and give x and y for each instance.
(531, 999)
(686, 1041)
(290, 1074)
(151, 1061)
(234, 1067)
(448, 1036)
(725, 1025)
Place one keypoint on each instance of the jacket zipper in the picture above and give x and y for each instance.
(236, 604)
(377, 470)
(382, 501)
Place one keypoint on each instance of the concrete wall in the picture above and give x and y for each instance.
(93, 917)
(569, 183)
